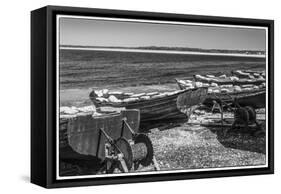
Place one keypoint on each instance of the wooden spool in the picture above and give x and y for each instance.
(139, 151)
(144, 149)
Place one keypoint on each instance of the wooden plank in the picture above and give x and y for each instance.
(82, 132)
(210, 124)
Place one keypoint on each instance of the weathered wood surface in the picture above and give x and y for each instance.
(255, 98)
(82, 134)
(240, 82)
(167, 107)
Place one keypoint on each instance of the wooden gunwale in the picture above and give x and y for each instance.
(147, 103)
(227, 82)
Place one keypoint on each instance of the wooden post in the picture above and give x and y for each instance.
(221, 110)
(155, 163)
(123, 164)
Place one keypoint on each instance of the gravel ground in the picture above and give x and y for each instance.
(191, 145)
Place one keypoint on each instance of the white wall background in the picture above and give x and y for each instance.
(15, 94)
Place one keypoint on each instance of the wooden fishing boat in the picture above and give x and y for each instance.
(228, 81)
(255, 97)
(248, 81)
(248, 73)
(163, 108)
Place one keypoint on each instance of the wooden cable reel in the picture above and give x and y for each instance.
(124, 154)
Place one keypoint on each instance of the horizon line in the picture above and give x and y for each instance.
(139, 50)
(159, 48)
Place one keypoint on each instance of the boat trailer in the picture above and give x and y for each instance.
(244, 117)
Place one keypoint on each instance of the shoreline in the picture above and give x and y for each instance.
(162, 51)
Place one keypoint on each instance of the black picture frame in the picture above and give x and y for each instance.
(43, 95)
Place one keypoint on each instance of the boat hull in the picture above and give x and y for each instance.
(255, 98)
(80, 136)
(166, 108)
(230, 82)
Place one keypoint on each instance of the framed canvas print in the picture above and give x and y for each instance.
(125, 96)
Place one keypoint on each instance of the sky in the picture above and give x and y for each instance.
(93, 32)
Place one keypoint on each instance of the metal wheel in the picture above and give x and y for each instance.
(125, 148)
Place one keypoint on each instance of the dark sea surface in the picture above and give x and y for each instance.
(80, 69)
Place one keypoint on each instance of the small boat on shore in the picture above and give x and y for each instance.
(248, 73)
(227, 80)
(154, 107)
(246, 95)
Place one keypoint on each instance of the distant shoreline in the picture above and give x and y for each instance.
(164, 51)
